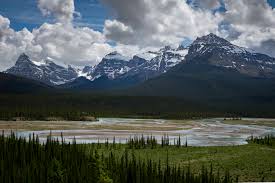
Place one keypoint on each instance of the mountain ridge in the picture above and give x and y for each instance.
(47, 71)
(220, 52)
(116, 69)
(207, 74)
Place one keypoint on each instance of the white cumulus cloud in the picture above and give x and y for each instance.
(62, 10)
(157, 23)
(253, 24)
(63, 42)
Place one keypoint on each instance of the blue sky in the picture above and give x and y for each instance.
(272, 3)
(25, 13)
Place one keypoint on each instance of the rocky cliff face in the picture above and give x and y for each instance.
(46, 71)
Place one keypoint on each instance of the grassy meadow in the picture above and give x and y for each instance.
(251, 162)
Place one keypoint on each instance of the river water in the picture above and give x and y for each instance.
(205, 132)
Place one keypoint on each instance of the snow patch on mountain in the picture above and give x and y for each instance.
(147, 55)
(81, 73)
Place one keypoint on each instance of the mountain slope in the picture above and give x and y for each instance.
(214, 50)
(47, 72)
(116, 71)
(238, 66)
(215, 69)
(14, 84)
(163, 60)
(203, 82)
(147, 65)
(111, 66)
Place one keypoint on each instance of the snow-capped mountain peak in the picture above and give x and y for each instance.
(23, 58)
(143, 65)
(209, 49)
(45, 71)
(211, 39)
(217, 51)
(209, 42)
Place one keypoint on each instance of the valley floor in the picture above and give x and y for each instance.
(216, 142)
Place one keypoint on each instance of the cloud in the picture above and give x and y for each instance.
(62, 10)
(248, 23)
(62, 42)
(11, 42)
(4, 26)
(70, 44)
(4, 23)
(253, 24)
(157, 23)
(253, 13)
(267, 47)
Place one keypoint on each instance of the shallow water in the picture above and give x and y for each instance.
(206, 132)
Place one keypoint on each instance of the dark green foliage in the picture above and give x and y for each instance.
(142, 142)
(128, 168)
(15, 84)
(165, 141)
(266, 140)
(206, 82)
(28, 161)
(186, 91)
(221, 89)
(72, 106)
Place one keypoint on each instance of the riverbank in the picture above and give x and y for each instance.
(203, 132)
(52, 118)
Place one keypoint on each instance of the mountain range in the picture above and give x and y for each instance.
(113, 66)
(210, 66)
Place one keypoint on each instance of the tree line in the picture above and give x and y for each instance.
(28, 160)
(142, 142)
(72, 107)
(265, 140)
